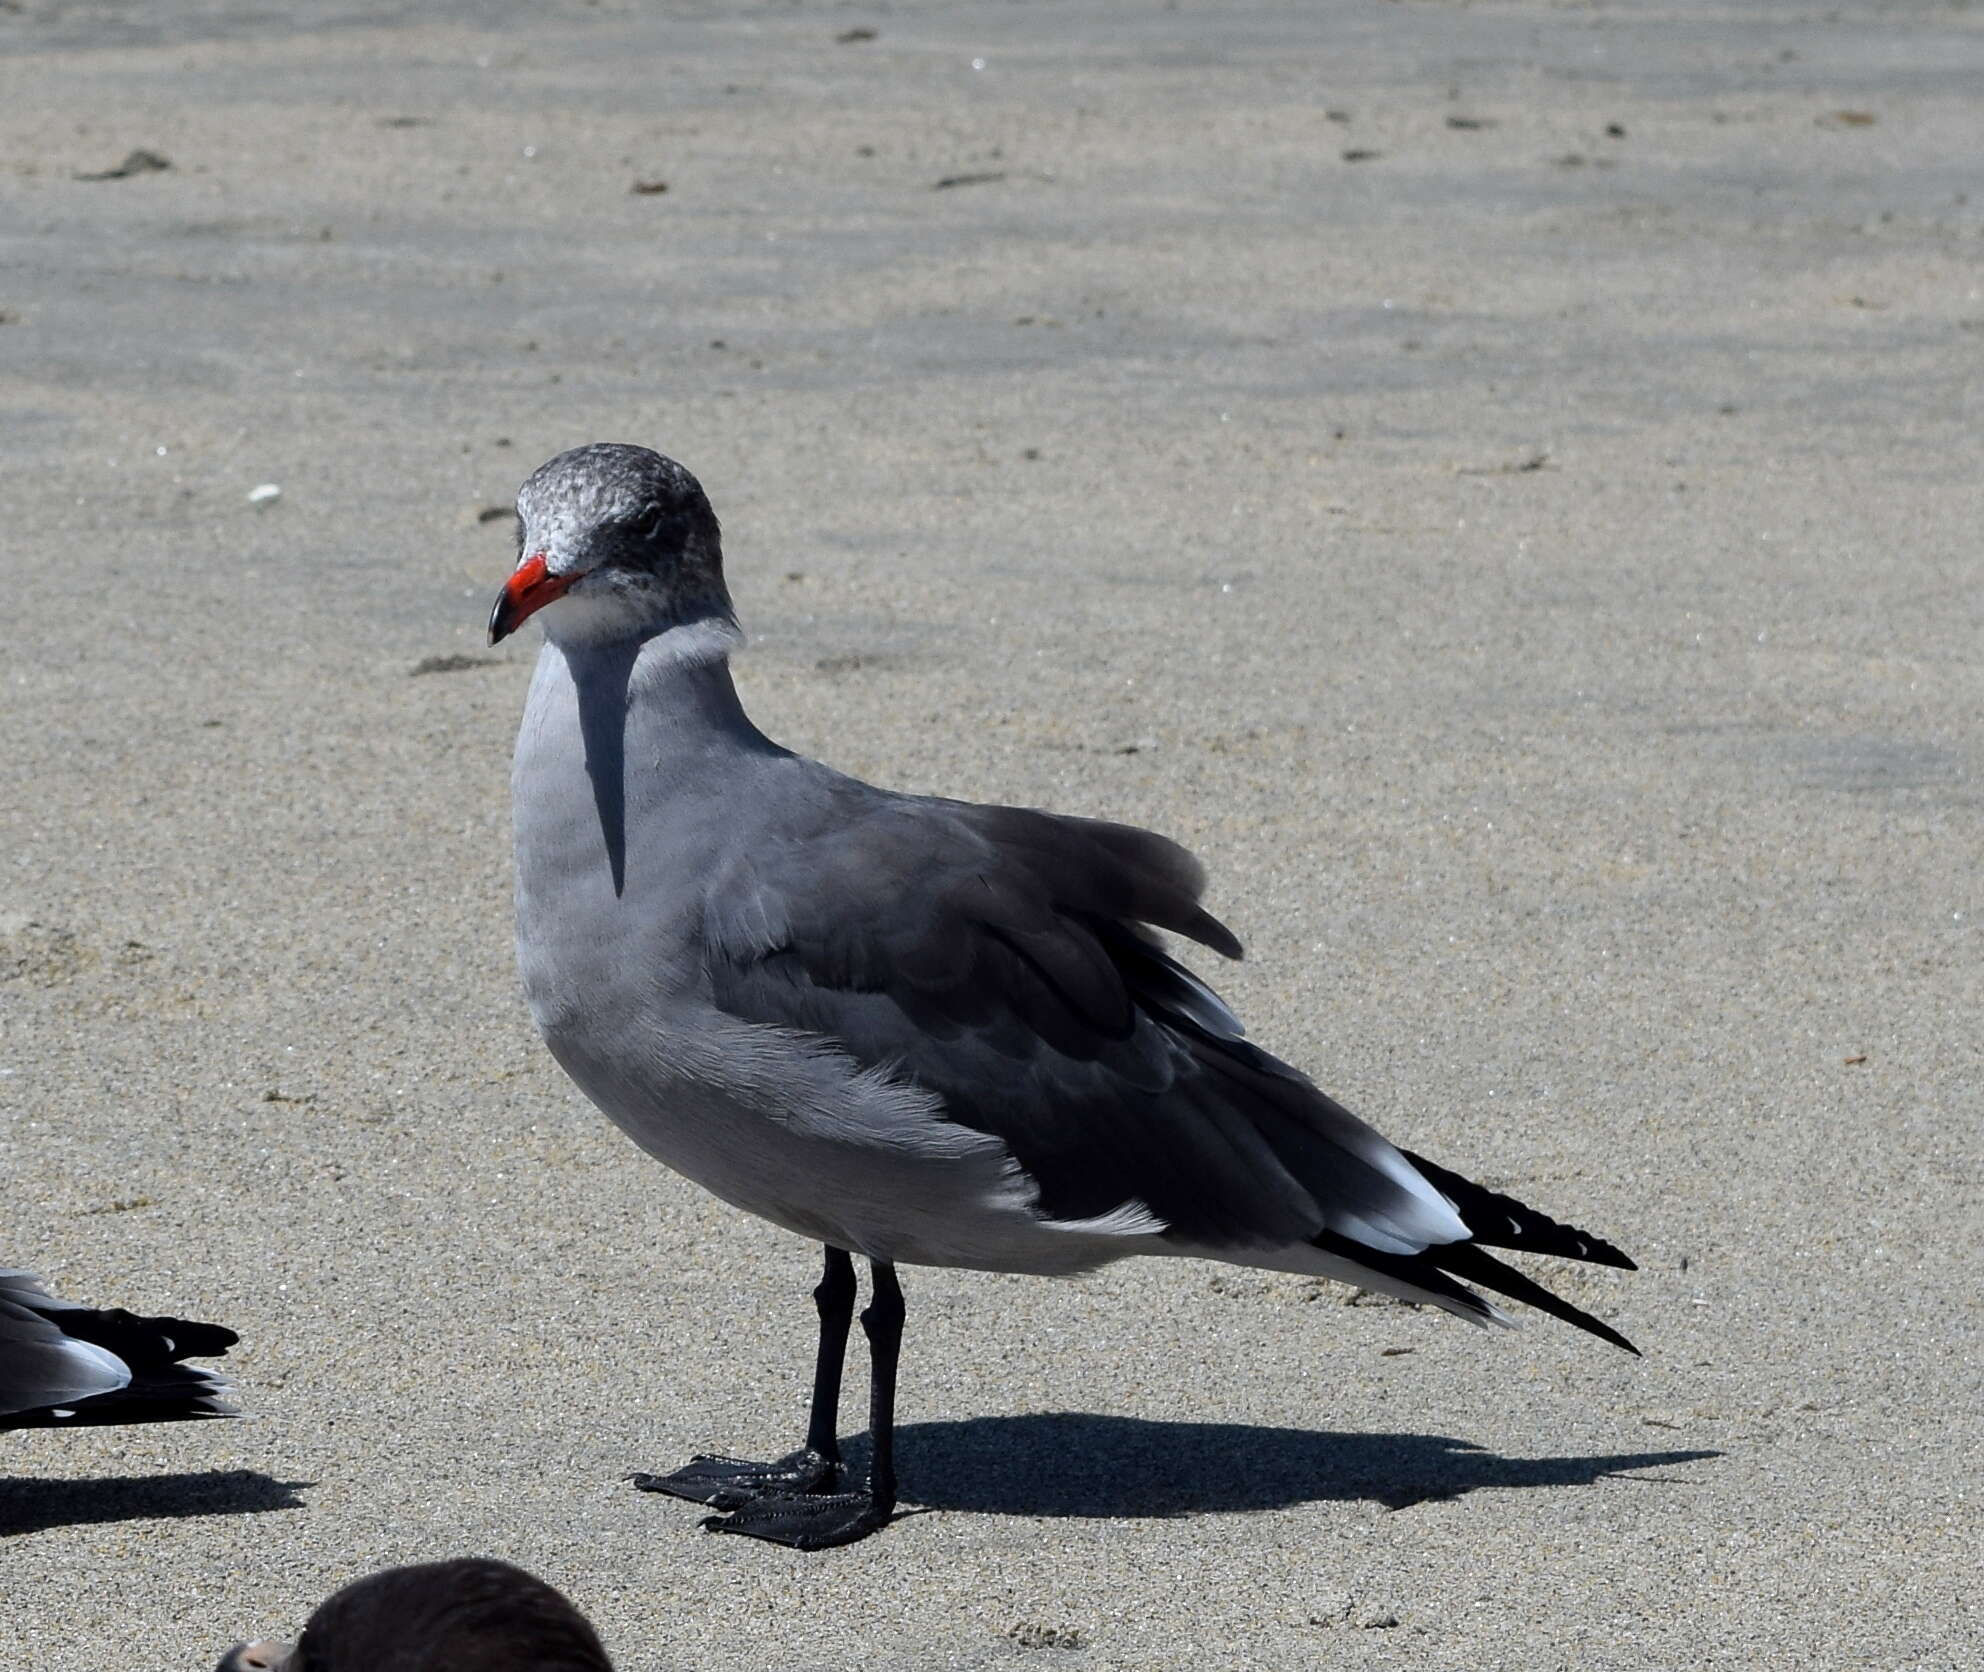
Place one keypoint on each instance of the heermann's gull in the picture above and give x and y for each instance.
(473, 1614)
(68, 1366)
(909, 1028)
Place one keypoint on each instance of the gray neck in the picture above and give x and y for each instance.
(669, 695)
(658, 719)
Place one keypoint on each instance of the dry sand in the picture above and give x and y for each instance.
(1501, 481)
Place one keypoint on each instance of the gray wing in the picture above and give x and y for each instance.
(1004, 959)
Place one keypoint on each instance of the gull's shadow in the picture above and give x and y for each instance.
(1073, 1463)
(34, 1506)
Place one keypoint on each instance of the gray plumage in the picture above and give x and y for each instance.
(906, 1027)
(914, 1028)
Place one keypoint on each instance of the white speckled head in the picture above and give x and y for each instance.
(614, 542)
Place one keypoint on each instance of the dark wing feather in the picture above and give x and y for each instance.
(1121, 872)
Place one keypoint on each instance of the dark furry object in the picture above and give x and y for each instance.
(473, 1614)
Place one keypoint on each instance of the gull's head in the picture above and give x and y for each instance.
(613, 542)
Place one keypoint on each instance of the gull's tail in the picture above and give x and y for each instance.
(1493, 1221)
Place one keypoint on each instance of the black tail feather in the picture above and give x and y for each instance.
(1499, 1221)
(178, 1396)
(1473, 1262)
(145, 1343)
(161, 1388)
(1433, 1270)
(1417, 1270)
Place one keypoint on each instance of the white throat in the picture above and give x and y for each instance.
(583, 621)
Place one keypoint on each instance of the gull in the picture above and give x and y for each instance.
(912, 1029)
(473, 1614)
(63, 1365)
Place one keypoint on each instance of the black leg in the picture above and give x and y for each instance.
(818, 1520)
(834, 1297)
(728, 1482)
(881, 1322)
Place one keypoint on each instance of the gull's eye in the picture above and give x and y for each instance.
(646, 524)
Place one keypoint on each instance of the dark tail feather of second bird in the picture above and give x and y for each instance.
(161, 1388)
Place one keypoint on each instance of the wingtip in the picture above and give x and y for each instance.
(1208, 931)
(1605, 1332)
(1595, 1252)
(1473, 1263)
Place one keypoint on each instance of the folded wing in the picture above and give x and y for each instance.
(1004, 959)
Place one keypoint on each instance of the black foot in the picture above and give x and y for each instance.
(817, 1522)
(731, 1482)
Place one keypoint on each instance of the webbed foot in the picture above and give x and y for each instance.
(733, 1482)
(816, 1521)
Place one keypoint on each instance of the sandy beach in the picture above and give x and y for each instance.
(1500, 482)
